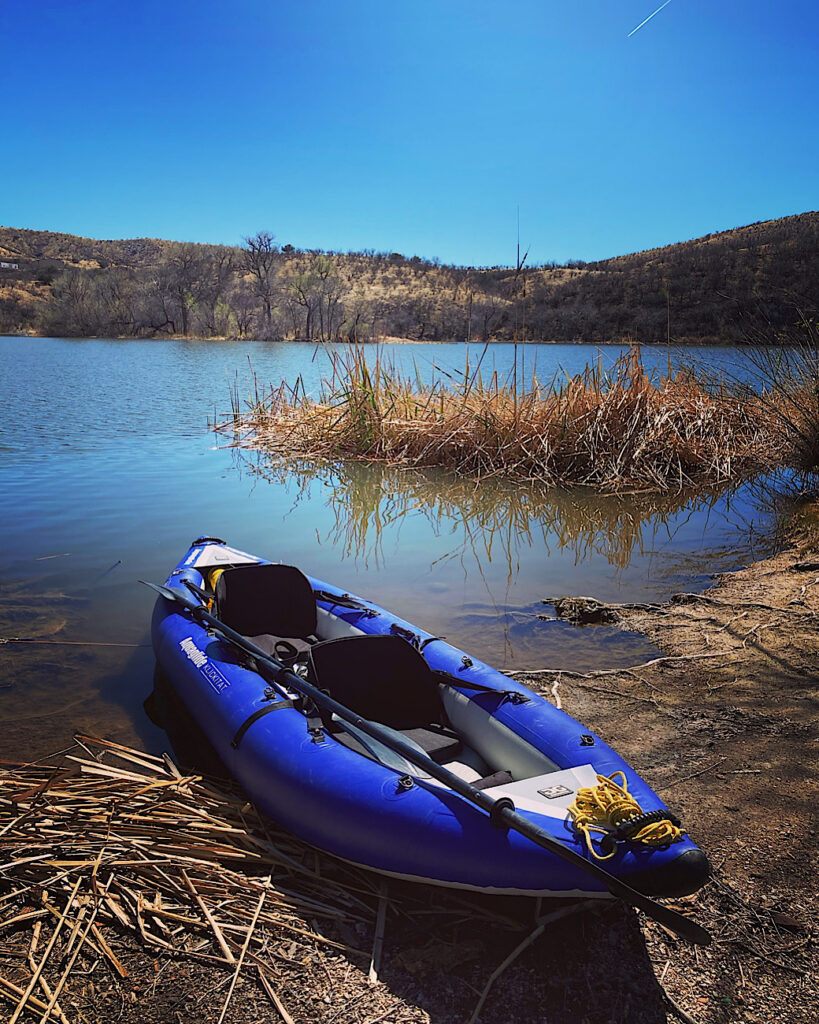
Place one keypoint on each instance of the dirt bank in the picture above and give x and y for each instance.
(725, 729)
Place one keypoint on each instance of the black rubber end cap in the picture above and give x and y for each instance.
(681, 877)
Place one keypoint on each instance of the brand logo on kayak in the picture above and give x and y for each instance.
(553, 792)
(193, 652)
(210, 672)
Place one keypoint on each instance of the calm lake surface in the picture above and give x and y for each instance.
(108, 470)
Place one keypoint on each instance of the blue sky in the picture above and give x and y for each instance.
(417, 126)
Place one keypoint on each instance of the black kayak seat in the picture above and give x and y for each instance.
(268, 604)
(386, 680)
(501, 778)
(438, 742)
(287, 650)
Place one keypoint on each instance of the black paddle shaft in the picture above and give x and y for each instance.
(501, 811)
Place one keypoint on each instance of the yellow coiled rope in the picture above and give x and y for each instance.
(603, 807)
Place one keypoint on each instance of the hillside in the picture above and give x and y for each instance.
(747, 283)
(71, 250)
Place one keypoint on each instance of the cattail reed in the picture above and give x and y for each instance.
(607, 429)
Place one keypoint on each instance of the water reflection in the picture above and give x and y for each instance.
(475, 561)
(498, 521)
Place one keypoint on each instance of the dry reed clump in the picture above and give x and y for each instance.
(139, 848)
(607, 430)
(113, 851)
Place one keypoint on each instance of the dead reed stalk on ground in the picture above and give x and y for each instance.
(113, 843)
(603, 429)
(136, 846)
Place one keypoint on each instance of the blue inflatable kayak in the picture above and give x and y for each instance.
(354, 795)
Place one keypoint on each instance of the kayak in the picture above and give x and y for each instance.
(410, 747)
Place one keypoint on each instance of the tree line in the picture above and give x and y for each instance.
(205, 291)
(710, 289)
(255, 291)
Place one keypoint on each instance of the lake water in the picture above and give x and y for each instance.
(108, 470)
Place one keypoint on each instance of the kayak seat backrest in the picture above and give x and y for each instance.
(272, 600)
(386, 680)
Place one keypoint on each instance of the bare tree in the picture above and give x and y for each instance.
(217, 273)
(261, 256)
(182, 278)
(355, 326)
(302, 294)
(331, 291)
(243, 306)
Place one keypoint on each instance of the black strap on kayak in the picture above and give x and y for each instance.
(411, 637)
(503, 815)
(344, 601)
(316, 723)
(515, 696)
(259, 713)
(406, 634)
(285, 652)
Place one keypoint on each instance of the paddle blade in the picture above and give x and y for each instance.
(171, 595)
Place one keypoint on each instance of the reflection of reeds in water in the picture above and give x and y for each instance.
(500, 520)
(603, 429)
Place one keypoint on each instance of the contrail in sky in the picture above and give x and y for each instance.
(667, 2)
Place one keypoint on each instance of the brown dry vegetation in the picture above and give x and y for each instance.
(607, 430)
